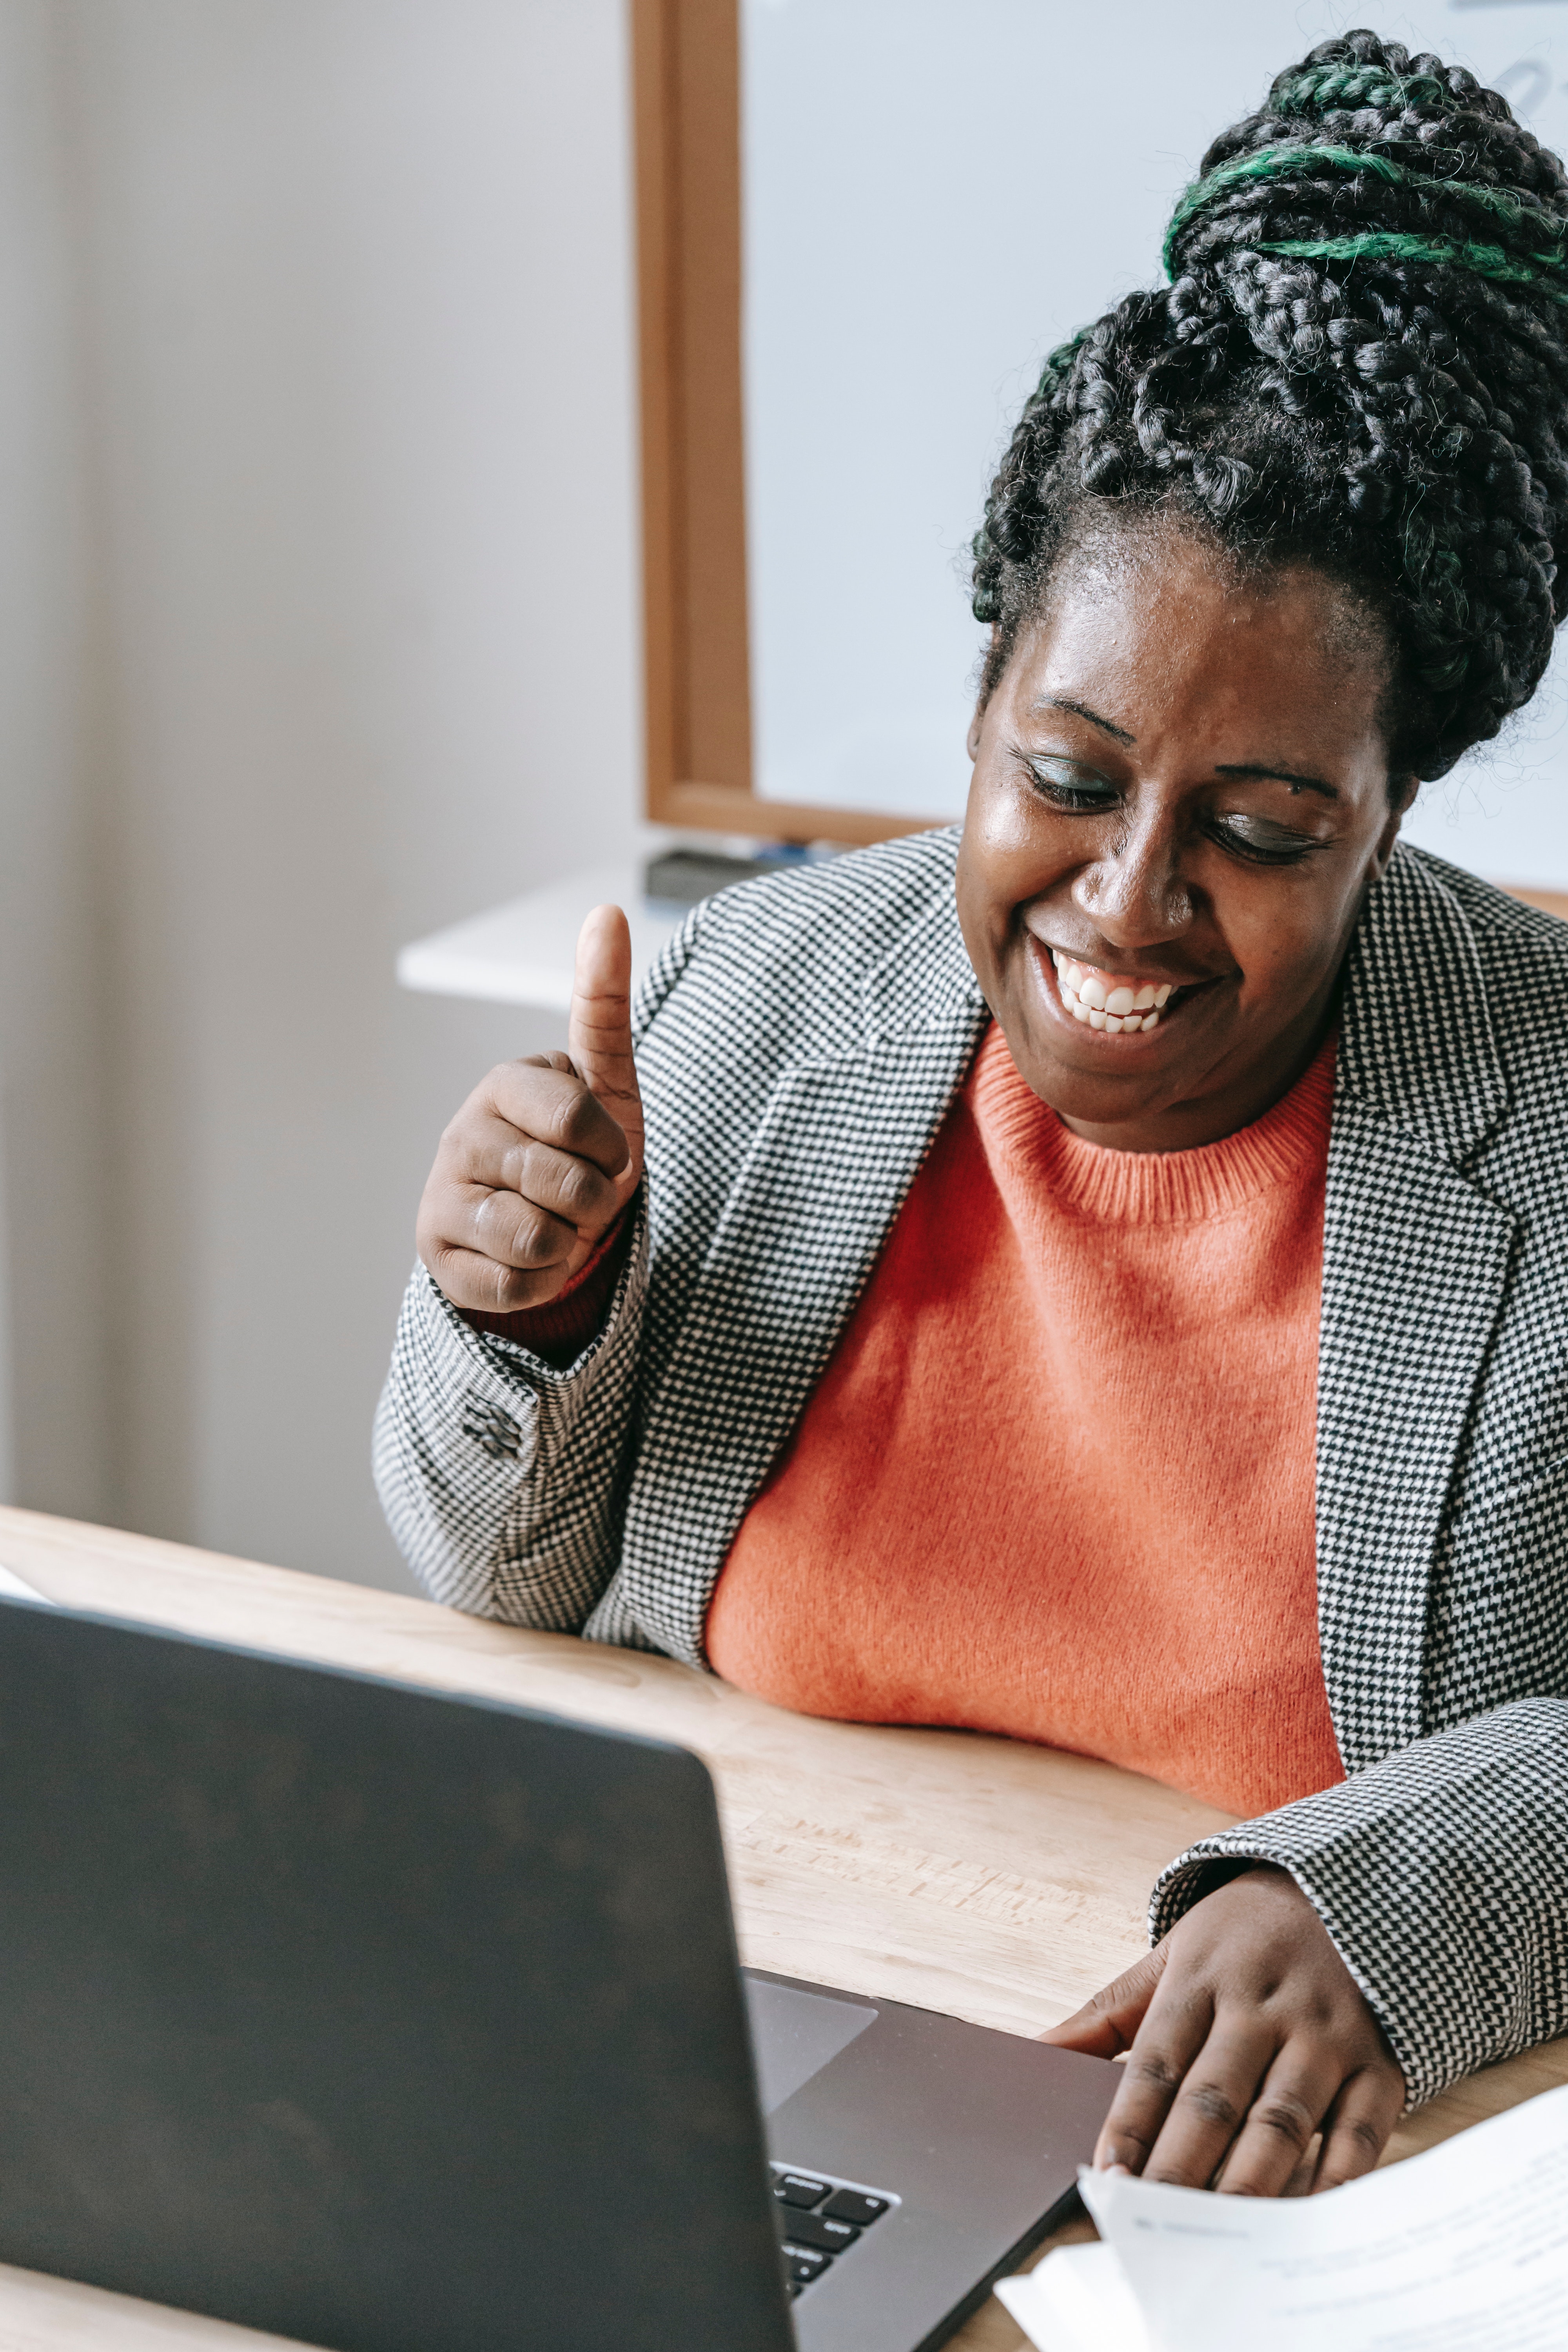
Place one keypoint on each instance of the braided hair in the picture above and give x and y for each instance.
(1361, 363)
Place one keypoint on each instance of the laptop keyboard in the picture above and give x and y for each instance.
(819, 2220)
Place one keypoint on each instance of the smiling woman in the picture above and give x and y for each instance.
(1182, 795)
(1101, 1280)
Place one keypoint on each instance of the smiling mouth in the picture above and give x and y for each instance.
(1107, 1001)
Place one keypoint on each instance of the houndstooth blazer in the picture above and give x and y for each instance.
(799, 1044)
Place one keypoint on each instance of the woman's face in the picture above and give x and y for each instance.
(1180, 800)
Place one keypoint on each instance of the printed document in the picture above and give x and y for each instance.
(14, 1587)
(1463, 2249)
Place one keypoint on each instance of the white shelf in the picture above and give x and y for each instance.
(521, 953)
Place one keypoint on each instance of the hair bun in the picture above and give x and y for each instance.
(1365, 143)
(1362, 359)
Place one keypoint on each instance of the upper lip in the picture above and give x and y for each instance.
(1130, 971)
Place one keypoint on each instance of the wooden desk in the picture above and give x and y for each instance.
(996, 1882)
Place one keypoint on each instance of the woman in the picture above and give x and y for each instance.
(1101, 1279)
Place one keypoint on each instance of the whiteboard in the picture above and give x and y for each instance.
(930, 206)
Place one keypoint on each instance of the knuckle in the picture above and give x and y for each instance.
(580, 1186)
(1284, 2117)
(532, 1242)
(516, 1162)
(1154, 2071)
(575, 1115)
(508, 1231)
(1213, 2102)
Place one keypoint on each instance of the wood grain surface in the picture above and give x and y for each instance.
(990, 1880)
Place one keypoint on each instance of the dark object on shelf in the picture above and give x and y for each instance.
(685, 876)
(682, 876)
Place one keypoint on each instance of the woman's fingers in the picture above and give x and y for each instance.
(1357, 2125)
(482, 1285)
(1183, 2105)
(1105, 2026)
(599, 1029)
(502, 1225)
(1245, 2034)
(1281, 2120)
(533, 1169)
(493, 1154)
(1173, 2031)
(545, 1100)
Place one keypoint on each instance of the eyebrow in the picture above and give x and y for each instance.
(1283, 776)
(1256, 769)
(1082, 711)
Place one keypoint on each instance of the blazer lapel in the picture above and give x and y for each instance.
(828, 1169)
(1415, 1265)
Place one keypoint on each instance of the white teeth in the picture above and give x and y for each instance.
(1120, 1010)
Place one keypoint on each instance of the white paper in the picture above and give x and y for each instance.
(13, 1586)
(1077, 2300)
(1463, 2249)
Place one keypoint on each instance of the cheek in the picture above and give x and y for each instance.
(1286, 938)
(1011, 848)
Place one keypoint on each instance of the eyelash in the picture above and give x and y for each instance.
(1075, 800)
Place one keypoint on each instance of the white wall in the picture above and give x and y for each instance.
(54, 1434)
(353, 297)
(927, 215)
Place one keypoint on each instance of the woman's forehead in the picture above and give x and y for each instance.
(1167, 610)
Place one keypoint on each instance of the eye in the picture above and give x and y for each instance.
(1068, 785)
(1259, 840)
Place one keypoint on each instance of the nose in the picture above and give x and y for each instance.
(1135, 893)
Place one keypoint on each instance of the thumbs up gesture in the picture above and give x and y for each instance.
(546, 1152)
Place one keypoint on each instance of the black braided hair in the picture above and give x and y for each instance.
(1361, 362)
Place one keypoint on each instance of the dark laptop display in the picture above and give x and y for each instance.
(401, 2023)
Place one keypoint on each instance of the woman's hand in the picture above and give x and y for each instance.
(546, 1152)
(1247, 2035)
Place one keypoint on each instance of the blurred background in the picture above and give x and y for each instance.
(321, 601)
(317, 628)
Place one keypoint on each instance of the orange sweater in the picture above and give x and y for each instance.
(1057, 1480)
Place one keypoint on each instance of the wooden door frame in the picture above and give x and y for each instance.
(686, 64)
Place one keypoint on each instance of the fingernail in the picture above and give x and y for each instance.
(1124, 2169)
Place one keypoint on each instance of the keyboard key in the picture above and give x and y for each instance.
(854, 2205)
(798, 2188)
(811, 2229)
(804, 2267)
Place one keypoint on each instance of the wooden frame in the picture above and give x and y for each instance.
(687, 92)
(687, 89)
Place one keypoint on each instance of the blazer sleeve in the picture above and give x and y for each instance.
(503, 1476)
(1442, 1876)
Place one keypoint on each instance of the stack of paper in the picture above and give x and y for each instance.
(13, 1587)
(1464, 2249)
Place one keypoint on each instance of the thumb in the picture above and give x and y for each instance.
(1107, 2025)
(599, 1032)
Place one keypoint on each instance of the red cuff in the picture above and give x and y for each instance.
(562, 1327)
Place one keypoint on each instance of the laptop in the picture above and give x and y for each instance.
(397, 2022)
